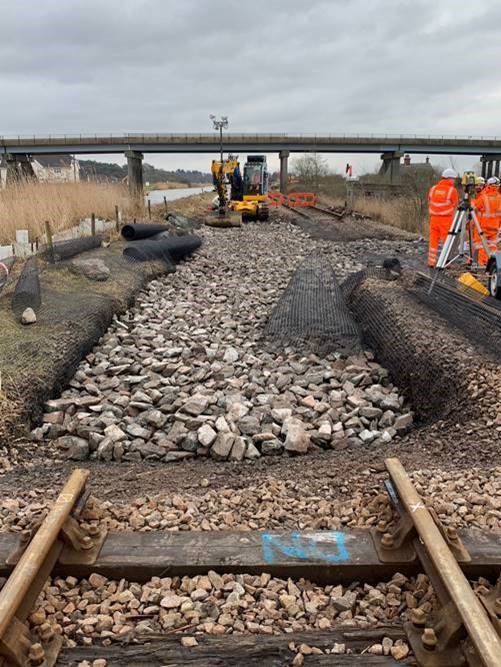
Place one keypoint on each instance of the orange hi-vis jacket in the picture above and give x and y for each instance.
(442, 202)
(488, 205)
(488, 208)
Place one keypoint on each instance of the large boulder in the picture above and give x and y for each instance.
(93, 269)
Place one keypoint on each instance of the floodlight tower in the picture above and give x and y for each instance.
(219, 124)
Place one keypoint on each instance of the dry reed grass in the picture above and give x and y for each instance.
(26, 205)
(408, 213)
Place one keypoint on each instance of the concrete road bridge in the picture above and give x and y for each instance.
(17, 151)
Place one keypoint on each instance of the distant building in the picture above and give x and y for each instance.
(416, 167)
(55, 168)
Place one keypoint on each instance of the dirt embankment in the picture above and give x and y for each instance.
(37, 361)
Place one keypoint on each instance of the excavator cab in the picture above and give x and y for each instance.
(255, 176)
(253, 205)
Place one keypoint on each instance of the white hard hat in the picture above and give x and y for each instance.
(479, 180)
(493, 180)
(449, 173)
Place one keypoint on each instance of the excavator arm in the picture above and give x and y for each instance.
(222, 173)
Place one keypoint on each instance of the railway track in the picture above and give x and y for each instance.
(319, 211)
(345, 225)
(465, 631)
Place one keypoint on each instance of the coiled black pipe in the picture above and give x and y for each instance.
(173, 248)
(27, 291)
(142, 231)
(66, 249)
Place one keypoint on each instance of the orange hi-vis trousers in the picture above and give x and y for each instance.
(491, 238)
(439, 228)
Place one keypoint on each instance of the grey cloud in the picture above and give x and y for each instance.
(275, 65)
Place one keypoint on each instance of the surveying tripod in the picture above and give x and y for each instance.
(460, 228)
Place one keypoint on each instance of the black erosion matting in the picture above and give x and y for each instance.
(311, 315)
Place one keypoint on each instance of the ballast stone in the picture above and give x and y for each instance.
(28, 316)
(296, 439)
(77, 449)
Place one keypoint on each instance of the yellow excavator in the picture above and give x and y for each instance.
(248, 195)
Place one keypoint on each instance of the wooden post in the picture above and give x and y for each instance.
(50, 243)
(165, 202)
(117, 218)
(93, 224)
(149, 209)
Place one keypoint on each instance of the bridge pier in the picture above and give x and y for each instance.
(19, 168)
(284, 157)
(390, 168)
(135, 173)
(490, 165)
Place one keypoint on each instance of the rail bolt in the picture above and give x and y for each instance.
(25, 536)
(86, 542)
(36, 655)
(452, 533)
(46, 632)
(387, 541)
(429, 639)
(93, 530)
(381, 526)
(497, 606)
(418, 617)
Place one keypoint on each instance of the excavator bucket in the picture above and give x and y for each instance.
(228, 219)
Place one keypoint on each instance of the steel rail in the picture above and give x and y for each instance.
(473, 614)
(32, 560)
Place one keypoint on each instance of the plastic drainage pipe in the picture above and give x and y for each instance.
(27, 291)
(72, 247)
(142, 231)
(173, 248)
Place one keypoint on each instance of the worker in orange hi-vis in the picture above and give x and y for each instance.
(488, 208)
(442, 202)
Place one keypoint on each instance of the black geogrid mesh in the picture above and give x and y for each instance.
(478, 317)
(430, 361)
(312, 315)
(354, 279)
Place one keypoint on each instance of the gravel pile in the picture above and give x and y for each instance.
(84, 611)
(184, 373)
(469, 498)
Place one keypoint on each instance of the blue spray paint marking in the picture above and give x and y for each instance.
(328, 547)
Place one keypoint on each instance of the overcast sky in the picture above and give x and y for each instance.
(334, 66)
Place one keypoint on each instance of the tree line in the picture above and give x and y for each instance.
(110, 171)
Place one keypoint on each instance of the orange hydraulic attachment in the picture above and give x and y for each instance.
(294, 200)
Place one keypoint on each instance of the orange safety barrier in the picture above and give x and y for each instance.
(275, 198)
(299, 199)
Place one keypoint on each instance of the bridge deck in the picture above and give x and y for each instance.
(266, 143)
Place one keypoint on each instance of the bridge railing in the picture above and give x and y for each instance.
(247, 137)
